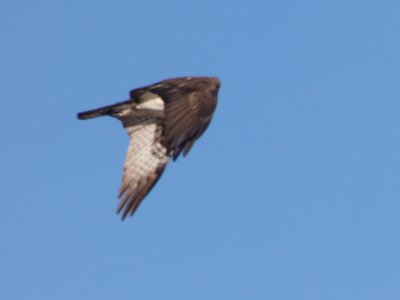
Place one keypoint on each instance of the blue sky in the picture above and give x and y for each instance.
(292, 193)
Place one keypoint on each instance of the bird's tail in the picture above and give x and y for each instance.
(104, 111)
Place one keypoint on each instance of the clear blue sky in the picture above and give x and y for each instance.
(292, 194)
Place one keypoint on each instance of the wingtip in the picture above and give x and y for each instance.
(123, 215)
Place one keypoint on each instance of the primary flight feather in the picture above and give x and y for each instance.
(162, 121)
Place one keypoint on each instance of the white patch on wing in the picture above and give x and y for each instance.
(150, 101)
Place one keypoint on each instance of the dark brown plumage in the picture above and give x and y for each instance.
(162, 120)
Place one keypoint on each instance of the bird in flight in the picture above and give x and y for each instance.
(162, 120)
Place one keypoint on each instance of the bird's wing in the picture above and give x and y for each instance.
(186, 119)
(187, 113)
(145, 161)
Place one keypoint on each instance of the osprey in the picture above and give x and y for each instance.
(162, 120)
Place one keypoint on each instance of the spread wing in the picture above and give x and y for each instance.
(187, 113)
(145, 161)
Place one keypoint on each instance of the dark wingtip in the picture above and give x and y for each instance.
(123, 215)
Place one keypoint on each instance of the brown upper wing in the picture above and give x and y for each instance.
(189, 105)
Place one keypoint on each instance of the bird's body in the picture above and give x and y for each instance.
(162, 120)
